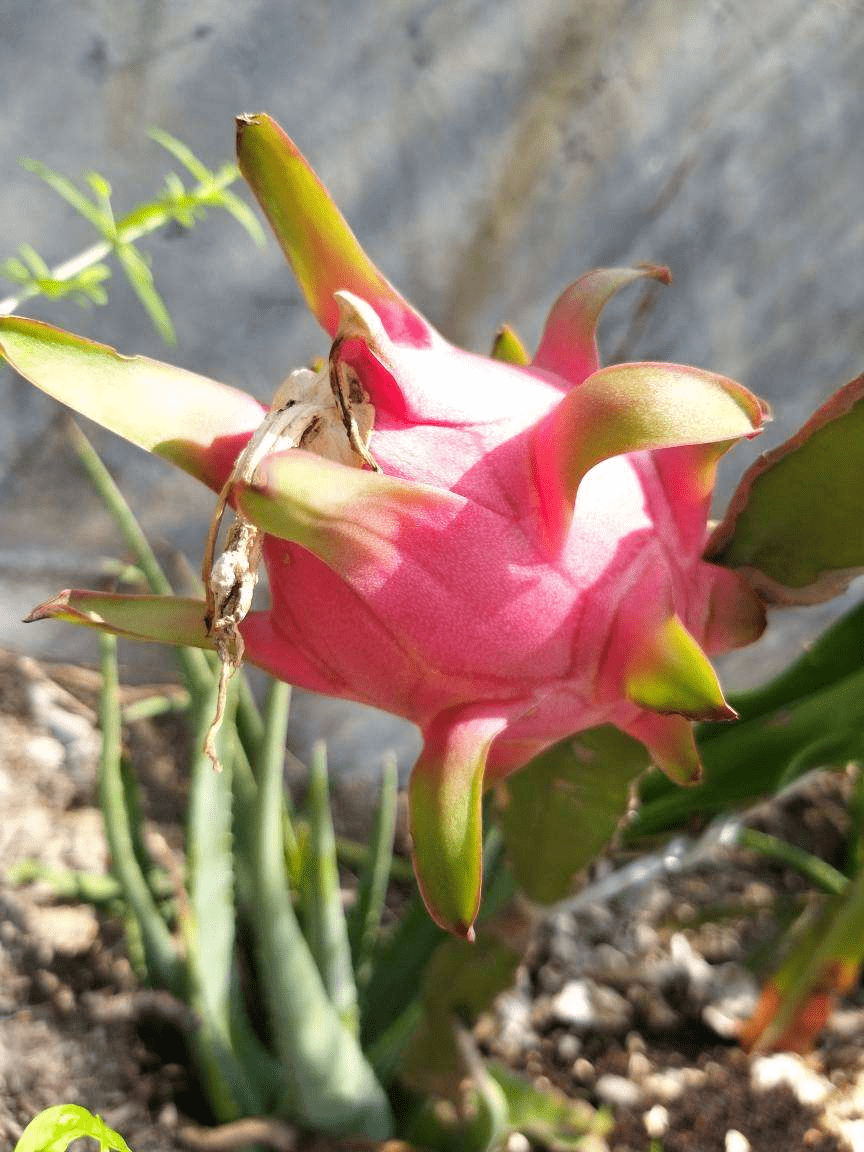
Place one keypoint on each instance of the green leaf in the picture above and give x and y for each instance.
(183, 154)
(324, 920)
(211, 926)
(547, 1116)
(328, 1083)
(825, 960)
(243, 214)
(160, 950)
(65, 188)
(399, 966)
(54, 1129)
(37, 265)
(460, 981)
(194, 422)
(557, 813)
(794, 524)
(140, 277)
(365, 921)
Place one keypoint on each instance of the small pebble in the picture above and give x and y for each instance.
(44, 753)
(517, 1142)
(591, 1007)
(569, 1047)
(618, 1091)
(736, 1141)
(783, 1068)
(656, 1121)
(169, 1117)
(583, 1070)
(639, 1066)
(671, 1083)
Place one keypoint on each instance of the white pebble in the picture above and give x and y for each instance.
(517, 1142)
(656, 1121)
(736, 1141)
(783, 1068)
(618, 1091)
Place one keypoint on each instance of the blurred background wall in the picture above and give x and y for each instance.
(486, 152)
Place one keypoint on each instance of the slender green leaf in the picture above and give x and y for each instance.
(374, 879)
(328, 1082)
(324, 920)
(211, 930)
(73, 196)
(243, 214)
(183, 154)
(819, 872)
(193, 664)
(141, 278)
(160, 949)
(460, 981)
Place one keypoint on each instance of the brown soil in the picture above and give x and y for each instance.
(75, 1026)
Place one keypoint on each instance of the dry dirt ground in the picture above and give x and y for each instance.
(630, 1003)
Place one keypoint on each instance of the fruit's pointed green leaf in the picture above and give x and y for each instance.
(54, 1129)
(568, 346)
(671, 674)
(315, 237)
(671, 742)
(629, 408)
(350, 518)
(748, 759)
(324, 922)
(194, 422)
(508, 347)
(164, 619)
(793, 526)
(557, 813)
(445, 812)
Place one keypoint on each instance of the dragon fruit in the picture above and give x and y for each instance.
(503, 552)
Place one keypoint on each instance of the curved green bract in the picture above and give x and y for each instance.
(313, 233)
(164, 619)
(196, 423)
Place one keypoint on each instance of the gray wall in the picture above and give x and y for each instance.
(486, 152)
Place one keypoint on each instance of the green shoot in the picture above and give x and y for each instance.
(82, 278)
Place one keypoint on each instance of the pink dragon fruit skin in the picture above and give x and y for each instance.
(526, 563)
